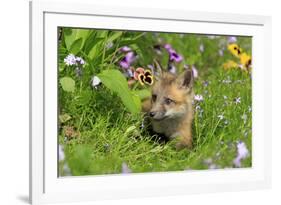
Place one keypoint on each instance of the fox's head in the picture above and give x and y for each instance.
(172, 96)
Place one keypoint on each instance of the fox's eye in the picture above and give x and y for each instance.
(154, 97)
(168, 101)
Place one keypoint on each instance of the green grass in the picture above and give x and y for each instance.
(106, 136)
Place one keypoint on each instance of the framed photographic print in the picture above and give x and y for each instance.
(129, 102)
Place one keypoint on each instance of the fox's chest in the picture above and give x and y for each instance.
(167, 127)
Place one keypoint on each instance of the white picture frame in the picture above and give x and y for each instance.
(46, 187)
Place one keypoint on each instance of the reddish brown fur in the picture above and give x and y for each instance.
(172, 117)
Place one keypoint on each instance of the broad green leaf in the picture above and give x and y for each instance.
(72, 35)
(116, 82)
(69, 36)
(136, 99)
(142, 94)
(76, 46)
(67, 84)
(83, 34)
(95, 50)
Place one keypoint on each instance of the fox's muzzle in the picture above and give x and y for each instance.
(157, 115)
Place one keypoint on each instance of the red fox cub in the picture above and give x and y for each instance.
(170, 107)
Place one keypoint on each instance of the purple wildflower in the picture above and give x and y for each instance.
(127, 60)
(231, 39)
(70, 60)
(80, 60)
(125, 49)
(167, 46)
(73, 60)
(242, 153)
(173, 55)
(198, 98)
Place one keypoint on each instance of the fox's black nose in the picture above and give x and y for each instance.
(151, 114)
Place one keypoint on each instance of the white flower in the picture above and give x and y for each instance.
(220, 117)
(95, 81)
(172, 69)
(194, 71)
(198, 98)
(226, 81)
(211, 36)
(221, 52)
(201, 48)
(70, 60)
(244, 117)
(109, 45)
(237, 100)
(242, 153)
(61, 153)
(66, 170)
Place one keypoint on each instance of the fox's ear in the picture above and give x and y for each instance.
(158, 70)
(185, 80)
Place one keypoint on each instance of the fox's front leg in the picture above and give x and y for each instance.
(184, 139)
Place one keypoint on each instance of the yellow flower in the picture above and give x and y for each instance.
(235, 49)
(230, 64)
(245, 60)
(145, 76)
